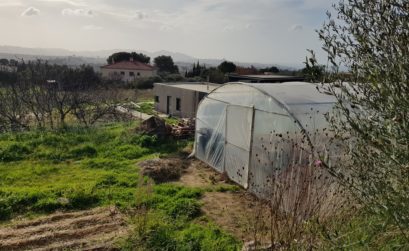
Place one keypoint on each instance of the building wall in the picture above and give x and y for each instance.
(189, 100)
(127, 77)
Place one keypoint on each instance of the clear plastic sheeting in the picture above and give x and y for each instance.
(210, 133)
(254, 132)
(238, 138)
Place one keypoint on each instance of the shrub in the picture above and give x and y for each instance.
(47, 205)
(81, 199)
(83, 151)
(14, 152)
(5, 210)
(145, 83)
(148, 141)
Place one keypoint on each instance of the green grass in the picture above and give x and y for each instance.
(75, 168)
(80, 168)
(173, 221)
(147, 108)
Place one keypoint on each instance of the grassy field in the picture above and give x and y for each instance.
(79, 168)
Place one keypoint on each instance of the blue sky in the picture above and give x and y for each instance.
(265, 31)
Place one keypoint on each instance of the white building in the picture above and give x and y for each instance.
(128, 71)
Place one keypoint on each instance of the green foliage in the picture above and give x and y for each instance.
(83, 151)
(227, 67)
(126, 56)
(166, 64)
(147, 108)
(313, 72)
(147, 141)
(369, 38)
(360, 231)
(145, 83)
(183, 207)
(168, 224)
(74, 168)
(272, 69)
(164, 233)
(14, 152)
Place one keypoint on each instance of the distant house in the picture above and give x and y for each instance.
(128, 71)
(180, 99)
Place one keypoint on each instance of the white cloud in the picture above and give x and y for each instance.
(77, 12)
(31, 11)
(6, 3)
(297, 27)
(69, 2)
(92, 27)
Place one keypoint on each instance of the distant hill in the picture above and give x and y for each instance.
(98, 58)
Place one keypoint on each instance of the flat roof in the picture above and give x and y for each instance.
(193, 86)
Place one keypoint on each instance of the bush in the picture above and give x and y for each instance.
(14, 152)
(81, 199)
(5, 210)
(145, 83)
(148, 141)
(173, 77)
(83, 151)
(47, 205)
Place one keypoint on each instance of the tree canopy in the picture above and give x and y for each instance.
(126, 56)
(165, 64)
(227, 67)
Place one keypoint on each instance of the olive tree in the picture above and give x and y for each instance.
(370, 39)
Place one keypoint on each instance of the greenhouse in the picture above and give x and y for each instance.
(253, 131)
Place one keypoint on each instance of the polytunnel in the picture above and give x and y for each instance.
(251, 131)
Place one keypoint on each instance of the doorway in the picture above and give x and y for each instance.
(168, 104)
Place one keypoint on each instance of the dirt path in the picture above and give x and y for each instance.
(95, 229)
(233, 211)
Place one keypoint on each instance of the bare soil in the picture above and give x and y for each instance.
(96, 229)
(233, 211)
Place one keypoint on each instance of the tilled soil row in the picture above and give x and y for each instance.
(95, 229)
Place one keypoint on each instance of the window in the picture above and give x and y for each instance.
(138, 74)
(131, 74)
(177, 104)
(156, 99)
(122, 73)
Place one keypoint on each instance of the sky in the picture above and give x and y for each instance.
(260, 31)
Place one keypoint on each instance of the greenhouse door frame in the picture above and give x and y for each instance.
(237, 152)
